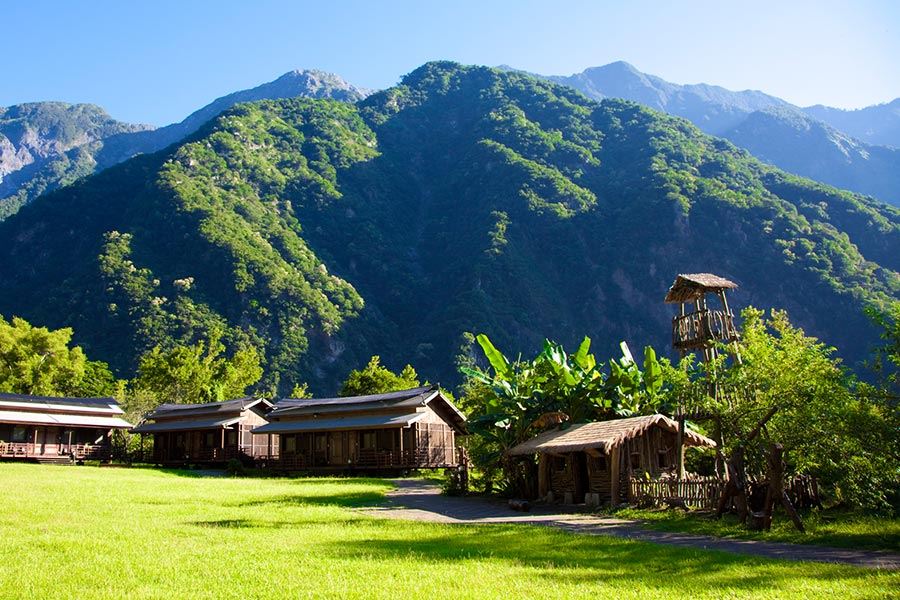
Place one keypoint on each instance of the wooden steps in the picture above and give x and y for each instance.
(53, 459)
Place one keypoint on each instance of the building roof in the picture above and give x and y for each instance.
(179, 411)
(341, 423)
(185, 425)
(60, 404)
(290, 408)
(62, 419)
(690, 286)
(603, 435)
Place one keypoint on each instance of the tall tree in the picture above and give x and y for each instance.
(828, 423)
(197, 373)
(40, 361)
(886, 361)
(375, 378)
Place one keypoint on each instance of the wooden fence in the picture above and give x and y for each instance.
(697, 493)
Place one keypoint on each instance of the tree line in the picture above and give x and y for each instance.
(832, 424)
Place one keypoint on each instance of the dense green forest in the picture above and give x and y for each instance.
(463, 199)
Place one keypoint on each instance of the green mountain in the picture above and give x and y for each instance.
(44, 144)
(464, 199)
(50, 144)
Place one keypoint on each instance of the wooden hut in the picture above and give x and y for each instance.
(601, 458)
(413, 428)
(52, 429)
(209, 433)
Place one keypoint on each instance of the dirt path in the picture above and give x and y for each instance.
(422, 501)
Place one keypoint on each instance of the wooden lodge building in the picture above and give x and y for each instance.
(601, 458)
(408, 429)
(49, 429)
(209, 433)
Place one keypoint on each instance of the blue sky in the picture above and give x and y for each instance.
(155, 62)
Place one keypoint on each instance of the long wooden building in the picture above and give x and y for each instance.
(413, 428)
(601, 458)
(54, 429)
(209, 433)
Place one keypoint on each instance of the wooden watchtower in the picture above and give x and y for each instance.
(699, 327)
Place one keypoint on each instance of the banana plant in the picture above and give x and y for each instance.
(632, 390)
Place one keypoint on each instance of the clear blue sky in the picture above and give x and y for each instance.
(157, 61)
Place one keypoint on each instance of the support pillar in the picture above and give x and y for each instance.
(614, 475)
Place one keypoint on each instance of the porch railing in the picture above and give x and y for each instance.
(701, 327)
(367, 458)
(77, 451)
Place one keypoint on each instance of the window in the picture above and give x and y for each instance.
(210, 439)
(368, 440)
(321, 443)
(231, 437)
(598, 463)
(18, 434)
(663, 459)
(290, 444)
(558, 464)
(635, 460)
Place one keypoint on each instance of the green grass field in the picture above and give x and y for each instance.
(840, 529)
(85, 532)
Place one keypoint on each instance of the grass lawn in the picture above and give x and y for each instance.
(86, 532)
(840, 529)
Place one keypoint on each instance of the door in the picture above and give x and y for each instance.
(580, 474)
(336, 447)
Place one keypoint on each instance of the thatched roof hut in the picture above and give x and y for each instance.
(597, 460)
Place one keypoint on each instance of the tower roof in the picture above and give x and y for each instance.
(690, 286)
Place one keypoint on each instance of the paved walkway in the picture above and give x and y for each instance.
(422, 501)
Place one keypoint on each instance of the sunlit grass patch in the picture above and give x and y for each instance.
(141, 533)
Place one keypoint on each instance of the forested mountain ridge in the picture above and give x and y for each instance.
(42, 143)
(826, 142)
(83, 139)
(463, 199)
(878, 124)
(800, 144)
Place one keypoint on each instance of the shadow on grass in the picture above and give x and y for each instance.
(345, 500)
(838, 529)
(586, 559)
(292, 524)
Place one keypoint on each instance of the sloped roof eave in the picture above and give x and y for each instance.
(602, 435)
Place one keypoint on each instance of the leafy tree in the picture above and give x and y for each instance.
(377, 379)
(301, 390)
(197, 373)
(829, 424)
(886, 361)
(40, 361)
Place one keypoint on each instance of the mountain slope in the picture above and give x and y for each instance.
(879, 124)
(762, 124)
(90, 141)
(42, 143)
(712, 108)
(464, 199)
(800, 144)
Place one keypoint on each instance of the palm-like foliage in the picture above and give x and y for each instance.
(514, 400)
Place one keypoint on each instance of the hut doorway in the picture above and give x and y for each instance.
(580, 476)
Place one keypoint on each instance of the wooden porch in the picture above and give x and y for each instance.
(28, 450)
(422, 446)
